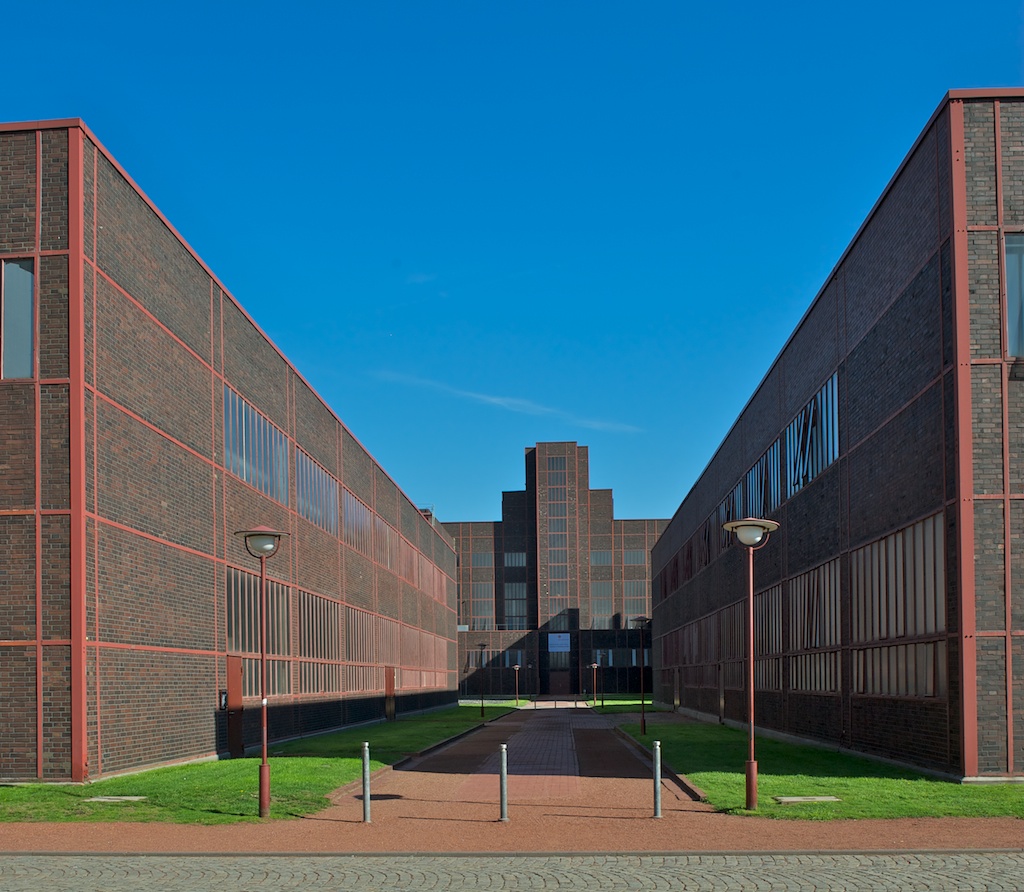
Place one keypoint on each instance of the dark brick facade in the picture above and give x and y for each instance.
(118, 510)
(614, 641)
(911, 322)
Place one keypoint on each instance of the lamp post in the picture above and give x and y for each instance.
(516, 667)
(752, 532)
(483, 646)
(262, 543)
(594, 667)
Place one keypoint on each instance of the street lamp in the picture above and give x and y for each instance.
(752, 532)
(516, 667)
(262, 543)
(594, 667)
(641, 622)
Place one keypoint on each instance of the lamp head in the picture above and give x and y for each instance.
(751, 531)
(261, 542)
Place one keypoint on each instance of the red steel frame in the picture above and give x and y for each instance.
(76, 397)
(1004, 380)
(965, 457)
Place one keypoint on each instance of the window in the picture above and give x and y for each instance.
(17, 319)
(319, 626)
(358, 524)
(768, 640)
(814, 629)
(764, 484)
(812, 438)
(515, 605)
(482, 606)
(316, 492)
(635, 557)
(601, 604)
(483, 559)
(243, 631)
(514, 656)
(898, 592)
(556, 462)
(1015, 294)
(635, 593)
(254, 449)
(515, 558)
(600, 558)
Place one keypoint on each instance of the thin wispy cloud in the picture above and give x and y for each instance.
(419, 278)
(509, 403)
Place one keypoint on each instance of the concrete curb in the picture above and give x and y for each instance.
(679, 780)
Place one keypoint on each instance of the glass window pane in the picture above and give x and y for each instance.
(16, 339)
(1015, 294)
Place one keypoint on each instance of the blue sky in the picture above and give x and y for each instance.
(474, 226)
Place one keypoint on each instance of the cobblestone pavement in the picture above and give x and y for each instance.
(906, 872)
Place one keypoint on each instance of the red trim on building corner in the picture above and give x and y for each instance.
(965, 457)
(76, 397)
(37, 411)
(1004, 380)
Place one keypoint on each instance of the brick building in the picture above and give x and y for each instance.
(144, 418)
(887, 439)
(554, 586)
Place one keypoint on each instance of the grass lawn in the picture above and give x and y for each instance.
(714, 758)
(302, 775)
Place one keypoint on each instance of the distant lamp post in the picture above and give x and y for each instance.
(641, 623)
(516, 667)
(483, 647)
(752, 532)
(262, 543)
(594, 667)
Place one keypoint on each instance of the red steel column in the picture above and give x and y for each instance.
(965, 450)
(76, 397)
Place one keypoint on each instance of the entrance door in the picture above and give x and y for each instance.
(560, 664)
(560, 683)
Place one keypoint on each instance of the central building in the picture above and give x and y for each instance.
(555, 587)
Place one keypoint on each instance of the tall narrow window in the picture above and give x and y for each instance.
(254, 449)
(1015, 294)
(812, 438)
(17, 323)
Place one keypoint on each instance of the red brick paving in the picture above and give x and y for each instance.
(574, 785)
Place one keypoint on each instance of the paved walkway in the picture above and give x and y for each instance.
(921, 872)
(581, 816)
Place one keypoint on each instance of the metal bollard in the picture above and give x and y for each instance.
(366, 782)
(504, 782)
(657, 778)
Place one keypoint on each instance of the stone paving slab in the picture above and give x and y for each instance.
(726, 872)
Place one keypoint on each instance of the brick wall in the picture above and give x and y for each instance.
(161, 339)
(34, 418)
(883, 323)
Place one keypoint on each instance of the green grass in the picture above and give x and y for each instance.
(302, 775)
(713, 758)
(615, 703)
